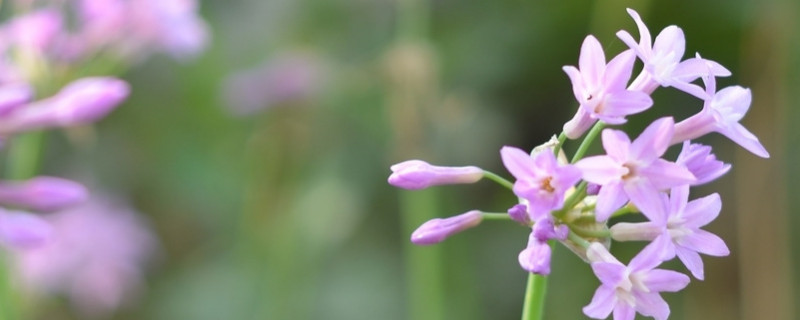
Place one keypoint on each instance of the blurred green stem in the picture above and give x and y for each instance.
(496, 178)
(423, 264)
(587, 141)
(24, 155)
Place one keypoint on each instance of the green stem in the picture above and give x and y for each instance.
(572, 200)
(590, 233)
(587, 141)
(25, 155)
(561, 138)
(496, 178)
(495, 216)
(424, 265)
(533, 309)
(623, 211)
(578, 240)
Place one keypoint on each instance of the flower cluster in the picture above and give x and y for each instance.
(574, 201)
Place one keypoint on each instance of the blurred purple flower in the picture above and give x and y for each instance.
(283, 79)
(23, 231)
(95, 256)
(437, 230)
(626, 290)
(80, 102)
(634, 171)
(418, 174)
(600, 89)
(172, 25)
(42, 193)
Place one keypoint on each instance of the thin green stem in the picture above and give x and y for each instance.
(590, 233)
(495, 216)
(623, 211)
(578, 240)
(561, 138)
(424, 266)
(25, 155)
(533, 309)
(496, 178)
(587, 141)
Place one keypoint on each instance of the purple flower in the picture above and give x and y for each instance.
(95, 256)
(36, 32)
(418, 174)
(519, 213)
(600, 89)
(721, 113)
(295, 76)
(82, 101)
(42, 193)
(681, 224)
(662, 60)
(626, 290)
(172, 25)
(436, 230)
(701, 162)
(633, 171)
(540, 179)
(25, 231)
(536, 257)
(13, 96)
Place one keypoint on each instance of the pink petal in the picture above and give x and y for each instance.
(603, 302)
(746, 139)
(601, 169)
(592, 62)
(518, 162)
(664, 174)
(654, 141)
(644, 34)
(693, 68)
(651, 305)
(678, 197)
(670, 41)
(598, 253)
(610, 198)
(578, 88)
(624, 311)
(609, 273)
(624, 103)
(659, 280)
(651, 256)
(616, 144)
(646, 197)
(692, 261)
(705, 242)
(702, 211)
(732, 102)
(618, 71)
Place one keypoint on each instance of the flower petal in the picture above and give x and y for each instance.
(609, 273)
(603, 302)
(646, 197)
(739, 134)
(592, 62)
(692, 261)
(601, 170)
(702, 211)
(624, 103)
(659, 280)
(519, 163)
(624, 311)
(610, 198)
(651, 256)
(670, 42)
(618, 71)
(644, 34)
(651, 305)
(664, 174)
(654, 140)
(616, 143)
(705, 242)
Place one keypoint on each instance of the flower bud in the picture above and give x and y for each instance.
(536, 257)
(436, 230)
(43, 193)
(701, 162)
(418, 174)
(519, 213)
(82, 101)
(639, 231)
(23, 230)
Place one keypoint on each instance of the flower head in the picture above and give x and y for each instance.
(540, 179)
(633, 170)
(626, 290)
(418, 174)
(680, 224)
(721, 112)
(601, 89)
(662, 60)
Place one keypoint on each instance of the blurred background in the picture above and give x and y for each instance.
(260, 166)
